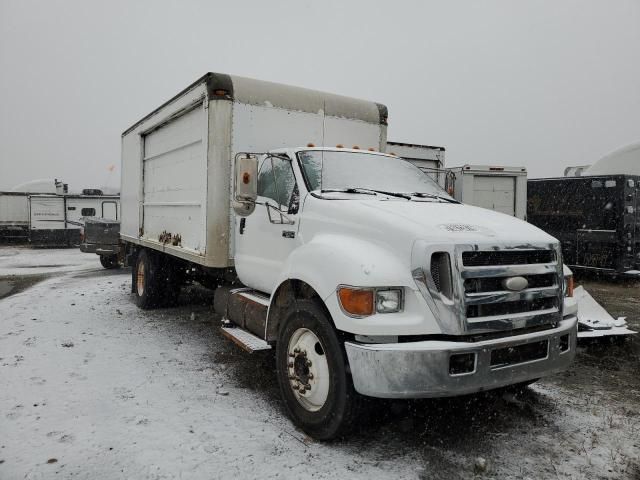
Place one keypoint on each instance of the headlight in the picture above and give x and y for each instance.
(362, 302)
(389, 301)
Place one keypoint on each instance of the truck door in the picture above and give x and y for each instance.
(265, 239)
(495, 193)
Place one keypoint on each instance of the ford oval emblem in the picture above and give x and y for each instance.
(515, 284)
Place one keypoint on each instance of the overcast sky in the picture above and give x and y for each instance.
(544, 84)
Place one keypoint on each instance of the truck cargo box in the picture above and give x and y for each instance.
(428, 158)
(595, 217)
(498, 188)
(176, 161)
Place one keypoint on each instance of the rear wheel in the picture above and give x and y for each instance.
(147, 283)
(311, 367)
(109, 261)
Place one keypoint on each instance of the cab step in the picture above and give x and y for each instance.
(245, 340)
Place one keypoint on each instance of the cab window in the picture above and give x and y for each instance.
(277, 181)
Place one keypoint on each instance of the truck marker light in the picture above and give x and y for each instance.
(339, 145)
(569, 286)
(356, 301)
(310, 145)
(356, 147)
(371, 149)
(246, 178)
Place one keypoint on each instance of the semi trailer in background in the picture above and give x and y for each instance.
(365, 276)
(595, 218)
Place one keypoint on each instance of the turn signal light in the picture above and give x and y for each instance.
(356, 301)
(246, 178)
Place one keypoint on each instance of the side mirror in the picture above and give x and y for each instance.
(245, 190)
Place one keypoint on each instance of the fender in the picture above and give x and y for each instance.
(329, 260)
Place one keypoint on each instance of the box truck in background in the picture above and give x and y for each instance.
(498, 188)
(428, 158)
(362, 273)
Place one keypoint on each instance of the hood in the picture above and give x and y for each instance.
(448, 222)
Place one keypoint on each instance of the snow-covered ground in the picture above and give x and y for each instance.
(92, 387)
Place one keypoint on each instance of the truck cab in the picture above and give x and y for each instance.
(373, 281)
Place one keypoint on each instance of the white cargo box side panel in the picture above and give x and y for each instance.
(46, 213)
(260, 129)
(350, 133)
(174, 180)
(132, 192)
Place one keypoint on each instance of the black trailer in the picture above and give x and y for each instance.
(596, 218)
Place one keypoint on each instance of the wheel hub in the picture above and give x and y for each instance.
(308, 369)
(140, 279)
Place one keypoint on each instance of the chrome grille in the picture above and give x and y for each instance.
(489, 304)
(507, 257)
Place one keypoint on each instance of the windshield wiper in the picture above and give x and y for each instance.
(433, 196)
(366, 191)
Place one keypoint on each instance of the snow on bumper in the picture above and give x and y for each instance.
(423, 369)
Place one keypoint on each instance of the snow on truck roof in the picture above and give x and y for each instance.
(221, 86)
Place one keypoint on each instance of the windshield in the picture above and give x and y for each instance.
(331, 170)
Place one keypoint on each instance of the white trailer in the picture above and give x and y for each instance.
(14, 215)
(428, 158)
(498, 188)
(177, 161)
(58, 219)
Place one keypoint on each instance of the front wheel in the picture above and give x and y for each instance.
(311, 367)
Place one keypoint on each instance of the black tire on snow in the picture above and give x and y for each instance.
(109, 261)
(148, 290)
(339, 411)
(171, 279)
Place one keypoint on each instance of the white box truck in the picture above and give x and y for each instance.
(366, 277)
(499, 188)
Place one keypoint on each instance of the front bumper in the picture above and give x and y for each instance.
(422, 369)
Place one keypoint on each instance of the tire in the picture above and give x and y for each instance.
(172, 281)
(147, 282)
(109, 261)
(327, 408)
